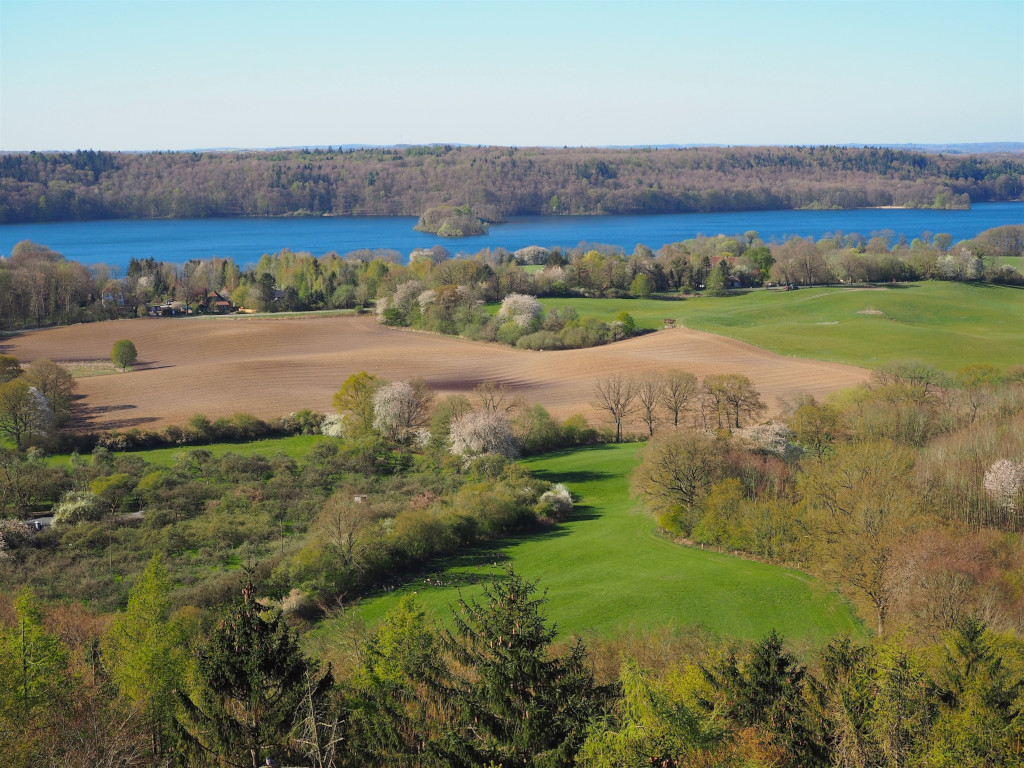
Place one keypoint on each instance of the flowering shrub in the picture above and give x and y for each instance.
(1004, 481)
(556, 503)
(333, 425)
(774, 438)
(76, 507)
(521, 309)
(479, 432)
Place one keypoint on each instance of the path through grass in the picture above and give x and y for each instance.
(607, 571)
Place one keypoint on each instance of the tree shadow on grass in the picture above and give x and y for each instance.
(578, 476)
(474, 565)
(666, 297)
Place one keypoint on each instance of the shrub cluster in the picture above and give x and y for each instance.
(240, 428)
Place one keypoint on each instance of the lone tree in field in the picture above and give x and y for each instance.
(124, 354)
(616, 395)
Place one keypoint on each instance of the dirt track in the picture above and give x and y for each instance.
(271, 366)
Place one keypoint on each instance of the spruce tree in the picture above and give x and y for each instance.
(252, 679)
(516, 704)
(767, 691)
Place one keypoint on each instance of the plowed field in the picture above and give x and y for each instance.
(271, 366)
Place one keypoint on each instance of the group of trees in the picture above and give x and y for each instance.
(38, 286)
(520, 320)
(403, 479)
(877, 491)
(438, 292)
(677, 398)
(505, 181)
(161, 684)
(34, 401)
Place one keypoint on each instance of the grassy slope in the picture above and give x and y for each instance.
(295, 447)
(947, 324)
(607, 571)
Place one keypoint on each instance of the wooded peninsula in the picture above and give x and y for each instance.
(494, 181)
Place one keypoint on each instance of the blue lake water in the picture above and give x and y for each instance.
(245, 240)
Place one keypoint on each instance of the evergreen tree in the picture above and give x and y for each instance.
(33, 662)
(251, 685)
(767, 691)
(147, 651)
(980, 720)
(516, 705)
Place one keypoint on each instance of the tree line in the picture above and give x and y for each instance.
(156, 685)
(493, 181)
(39, 286)
(905, 493)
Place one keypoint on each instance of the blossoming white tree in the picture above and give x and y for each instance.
(1004, 481)
(401, 408)
(521, 309)
(483, 431)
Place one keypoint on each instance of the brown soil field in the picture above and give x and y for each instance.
(272, 366)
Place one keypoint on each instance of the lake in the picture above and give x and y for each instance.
(245, 240)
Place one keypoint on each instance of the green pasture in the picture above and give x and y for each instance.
(944, 323)
(608, 572)
(295, 447)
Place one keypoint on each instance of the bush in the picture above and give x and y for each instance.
(539, 341)
(555, 504)
(76, 507)
(510, 333)
(304, 422)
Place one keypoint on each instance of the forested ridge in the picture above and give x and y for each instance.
(495, 181)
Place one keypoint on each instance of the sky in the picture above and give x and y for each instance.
(172, 75)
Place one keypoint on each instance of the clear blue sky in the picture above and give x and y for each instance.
(148, 75)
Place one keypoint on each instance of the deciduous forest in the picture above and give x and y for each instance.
(494, 181)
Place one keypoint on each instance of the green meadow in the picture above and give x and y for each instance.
(608, 572)
(944, 323)
(294, 447)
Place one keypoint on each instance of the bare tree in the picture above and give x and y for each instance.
(342, 522)
(649, 387)
(730, 397)
(616, 395)
(676, 471)
(497, 397)
(679, 393)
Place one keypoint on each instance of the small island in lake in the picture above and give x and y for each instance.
(452, 221)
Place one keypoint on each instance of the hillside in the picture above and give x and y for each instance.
(495, 181)
(608, 555)
(273, 366)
